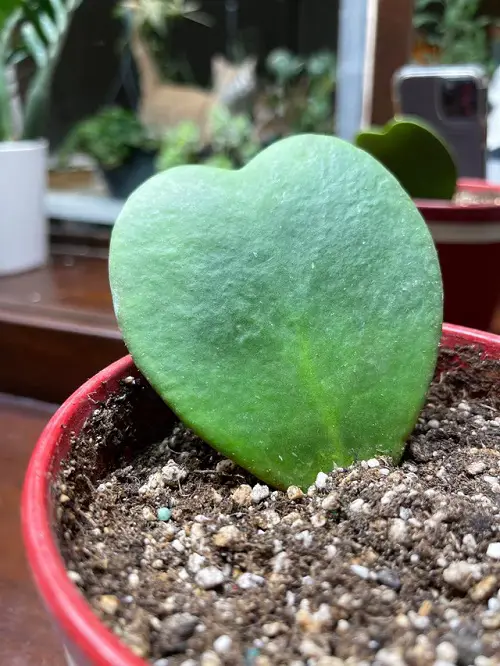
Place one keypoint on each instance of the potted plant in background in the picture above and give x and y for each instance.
(290, 313)
(452, 32)
(300, 96)
(463, 215)
(232, 144)
(123, 149)
(34, 30)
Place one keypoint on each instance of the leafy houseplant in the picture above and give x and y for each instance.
(455, 29)
(232, 144)
(290, 312)
(119, 144)
(300, 98)
(465, 228)
(181, 145)
(34, 29)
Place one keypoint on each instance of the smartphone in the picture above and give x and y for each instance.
(453, 99)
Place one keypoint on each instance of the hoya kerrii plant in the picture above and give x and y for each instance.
(417, 156)
(289, 312)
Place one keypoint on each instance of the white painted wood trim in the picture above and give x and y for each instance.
(369, 64)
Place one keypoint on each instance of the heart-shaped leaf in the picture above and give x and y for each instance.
(289, 312)
(415, 154)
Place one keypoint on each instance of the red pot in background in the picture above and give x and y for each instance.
(87, 641)
(467, 238)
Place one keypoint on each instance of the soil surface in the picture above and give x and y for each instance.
(192, 561)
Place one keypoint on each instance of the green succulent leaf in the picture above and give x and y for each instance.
(416, 155)
(289, 311)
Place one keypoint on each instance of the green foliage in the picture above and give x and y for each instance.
(6, 9)
(109, 137)
(456, 28)
(233, 137)
(180, 145)
(232, 144)
(219, 161)
(159, 14)
(34, 29)
(303, 90)
(415, 154)
(290, 311)
(284, 66)
(156, 20)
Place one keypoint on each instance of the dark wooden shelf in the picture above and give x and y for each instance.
(57, 328)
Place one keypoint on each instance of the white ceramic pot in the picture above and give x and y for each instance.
(23, 226)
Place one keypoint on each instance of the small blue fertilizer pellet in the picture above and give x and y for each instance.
(164, 513)
(251, 655)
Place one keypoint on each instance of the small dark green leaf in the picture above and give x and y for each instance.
(415, 154)
(289, 312)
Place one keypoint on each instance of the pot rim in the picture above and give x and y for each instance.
(61, 597)
(448, 211)
(23, 145)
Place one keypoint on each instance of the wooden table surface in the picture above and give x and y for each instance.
(26, 635)
(57, 328)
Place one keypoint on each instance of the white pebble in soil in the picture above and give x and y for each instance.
(358, 506)
(210, 659)
(173, 474)
(493, 550)
(494, 604)
(209, 578)
(388, 657)
(362, 572)
(223, 644)
(248, 581)
(462, 575)
(294, 493)
(331, 502)
(447, 652)
(148, 514)
(398, 531)
(227, 537)
(321, 481)
(153, 485)
(242, 495)
(195, 562)
(133, 580)
(75, 577)
(259, 493)
(306, 537)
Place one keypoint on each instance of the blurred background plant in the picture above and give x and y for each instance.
(156, 20)
(233, 143)
(180, 145)
(109, 137)
(36, 30)
(455, 31)
(300, 94)
(233, 139)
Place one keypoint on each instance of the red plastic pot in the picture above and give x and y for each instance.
(467, 238)
(87, 641)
